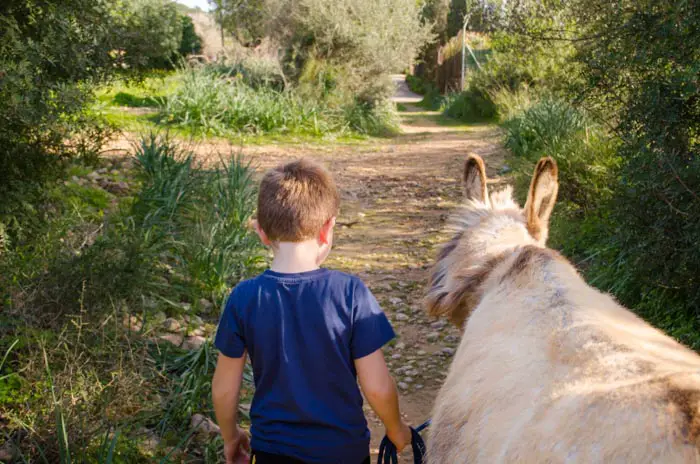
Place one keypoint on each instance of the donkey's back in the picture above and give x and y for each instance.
(549, 369)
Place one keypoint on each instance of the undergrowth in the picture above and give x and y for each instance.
(84, 373)
(213, 102)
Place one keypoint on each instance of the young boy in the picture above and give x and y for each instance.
(310, 332)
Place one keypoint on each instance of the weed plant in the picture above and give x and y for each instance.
(214, 103)
(84, 376)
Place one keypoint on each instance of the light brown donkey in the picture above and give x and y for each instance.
(549, 369)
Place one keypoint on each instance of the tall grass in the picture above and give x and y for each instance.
(216, 104)
(213, 102)
(544, 127)
(586, 155)
(256, 72)
(84, 377)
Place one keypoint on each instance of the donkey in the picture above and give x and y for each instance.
(549, 369)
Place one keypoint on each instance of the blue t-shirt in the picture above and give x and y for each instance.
(302, 332)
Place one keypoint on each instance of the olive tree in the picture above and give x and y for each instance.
(365, 40)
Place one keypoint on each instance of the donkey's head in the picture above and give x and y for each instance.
(486, 230)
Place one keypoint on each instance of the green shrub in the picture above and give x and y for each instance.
(417, 84)
(150, 32)
(432, 98)
(365, 118)
(191, 43)
(641, 73)
(543, 127)
(517, 60)
(586, 155)
(183, 236)
(516, 66)
(51, 54)
(511, 104)
(367, 39)
(630, 206)
(47, 55)
(472, 105)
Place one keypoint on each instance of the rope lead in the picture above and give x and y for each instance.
(389, 455)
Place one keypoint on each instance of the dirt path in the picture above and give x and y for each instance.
(396, 196)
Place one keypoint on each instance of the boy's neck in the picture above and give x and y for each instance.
(295, 257)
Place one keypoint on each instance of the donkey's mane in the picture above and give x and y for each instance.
(473, 211)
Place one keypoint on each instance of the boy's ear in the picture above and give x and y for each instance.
(327, 231)
(261, 233)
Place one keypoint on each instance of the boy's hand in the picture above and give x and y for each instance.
(401, 436)
(237, 450)
(225, 388)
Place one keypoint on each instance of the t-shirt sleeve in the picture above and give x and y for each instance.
(229, 336)
(371, 329)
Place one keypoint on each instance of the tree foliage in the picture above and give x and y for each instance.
(635, 65)
(51, 53)
(641, 61)
(149, 32)
(46, 49)
(364, 40)
(191, 43)
(245, 19)
(436, 13)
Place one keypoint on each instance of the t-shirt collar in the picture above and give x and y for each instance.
(295, 276)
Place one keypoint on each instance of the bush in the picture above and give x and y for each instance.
(365, 118)
(191, 43)
(51, 54)
(586, 155)
(150, 32)
(190, 221)
(432, 98)
(633, 65)
(45, 55)
(472, 105)
(641, 72)
(418, 85)
(516, 66)
(511, 104)
(517, 61)
(543, 127)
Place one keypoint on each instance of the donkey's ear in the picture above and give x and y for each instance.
(541, 198)
(475, 179)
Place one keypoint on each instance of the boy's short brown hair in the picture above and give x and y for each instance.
(295, 200)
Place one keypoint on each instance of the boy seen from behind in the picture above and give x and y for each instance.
(310, 332)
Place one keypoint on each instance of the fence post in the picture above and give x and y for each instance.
(464, 45)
